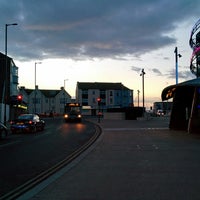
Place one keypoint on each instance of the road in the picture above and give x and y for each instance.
(23, 156)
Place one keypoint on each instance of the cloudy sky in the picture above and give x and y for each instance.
(101, 40)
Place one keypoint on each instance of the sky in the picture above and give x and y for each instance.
(99, 41)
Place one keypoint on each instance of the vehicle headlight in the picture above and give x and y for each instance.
(79, 116)
(66, 116)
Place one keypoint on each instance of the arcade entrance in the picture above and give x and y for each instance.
(185, 113)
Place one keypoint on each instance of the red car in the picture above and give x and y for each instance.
(27, 123)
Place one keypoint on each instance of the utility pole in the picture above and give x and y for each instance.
(177, 55)
(142, 74)
(35, 85)
(138, 94)
(6, 72)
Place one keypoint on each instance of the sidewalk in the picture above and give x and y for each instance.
(127, 163)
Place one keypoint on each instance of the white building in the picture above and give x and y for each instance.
(112, 95)
(44, 101)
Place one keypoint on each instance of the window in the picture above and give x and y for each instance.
(15, 71)
(84, 96)
(62, 100)
(62, 110)
(15, 79)
(102, 94)
(85, 100)
(84, 91)
(36, 100)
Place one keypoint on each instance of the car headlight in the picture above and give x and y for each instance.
(66, 116)
(79, 116)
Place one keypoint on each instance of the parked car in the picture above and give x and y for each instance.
(3, 131)
(27, 123)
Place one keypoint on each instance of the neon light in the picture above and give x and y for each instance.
(194, 29)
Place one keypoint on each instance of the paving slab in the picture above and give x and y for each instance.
(136, 160)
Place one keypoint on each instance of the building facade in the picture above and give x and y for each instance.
(8, 84)
(112, 95)
(185, 114)
(165, 106)
(44, 101)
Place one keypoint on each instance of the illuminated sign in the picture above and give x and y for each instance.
(72, 104)
(20, 106)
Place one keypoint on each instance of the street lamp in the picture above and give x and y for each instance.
(35, 85)
(138, 95)
(142, 74)
(6, 71)
(64, 96)
(177, 55)
(64, 83)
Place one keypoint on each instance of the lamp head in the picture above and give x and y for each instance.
(13, 24)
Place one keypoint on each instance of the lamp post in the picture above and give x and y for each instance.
(64, 95)
(142, 74)
(177, 55)
(138, 95)
(35, 85)
(6, 70)
(64, 83)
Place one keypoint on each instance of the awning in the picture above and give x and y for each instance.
(169, 91)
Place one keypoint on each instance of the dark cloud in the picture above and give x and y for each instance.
(156, 71)
(183, 74)
(81, 29)
(136, 69)
(166, 58)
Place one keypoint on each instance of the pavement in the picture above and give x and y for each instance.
(133, 159)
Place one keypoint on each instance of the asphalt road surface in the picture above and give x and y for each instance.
(23, 156)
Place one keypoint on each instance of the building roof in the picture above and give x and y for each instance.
(169, 91)
(3, 55)
(46, 93)
(50, 93)
(101, 86)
